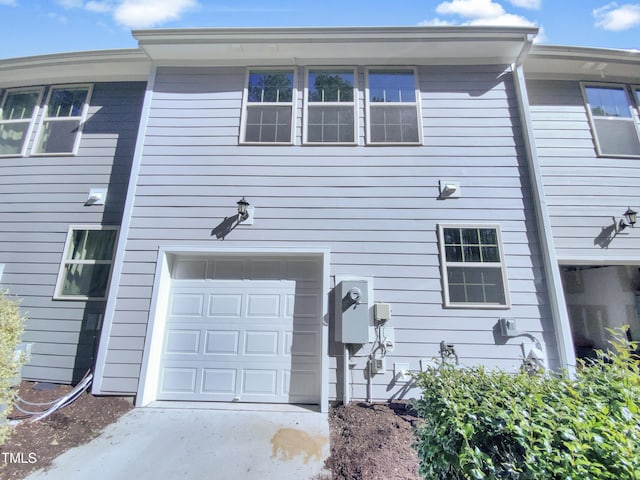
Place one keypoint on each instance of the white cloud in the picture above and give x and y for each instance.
(471, 8)
(70, 3)
(436, 22)
(9, 3)
(150, 13)
(480, 12)
(530, 4)
(617, 18)
(99, 7)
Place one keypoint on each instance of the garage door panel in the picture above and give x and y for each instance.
(222, 342)
(252, 338)
(225, 305)
(182, 341)
(187, 304)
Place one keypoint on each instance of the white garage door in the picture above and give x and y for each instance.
(244, 330)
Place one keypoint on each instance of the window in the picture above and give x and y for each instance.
(17, 111)
(330, 103)
(473, 266)
(613, 119)
(86, 267)
(392, 103)
(63, 119)
(268, 113)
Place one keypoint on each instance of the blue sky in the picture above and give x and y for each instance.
(40, 27)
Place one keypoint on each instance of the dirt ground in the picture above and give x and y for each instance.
(33, 445)
(368, 441)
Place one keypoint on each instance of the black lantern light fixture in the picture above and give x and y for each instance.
(630, 217)
(243, 206)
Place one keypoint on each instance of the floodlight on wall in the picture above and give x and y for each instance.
(243, 212)
(630, 217)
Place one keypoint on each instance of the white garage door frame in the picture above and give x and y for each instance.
(150, 373)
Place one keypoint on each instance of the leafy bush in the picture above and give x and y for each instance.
(11, 327)
(496, 425)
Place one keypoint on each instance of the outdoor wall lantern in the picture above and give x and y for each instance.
(630, 217)
(243, 207)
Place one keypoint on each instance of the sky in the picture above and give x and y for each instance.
(33, 27)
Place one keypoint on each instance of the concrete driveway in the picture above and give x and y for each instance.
(201, 443)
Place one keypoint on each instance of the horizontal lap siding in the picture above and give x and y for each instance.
(583, 191)
(40, 197)
(376, 208)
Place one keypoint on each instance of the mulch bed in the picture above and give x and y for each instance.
(33, 445)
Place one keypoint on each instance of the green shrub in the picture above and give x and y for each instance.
(497, 425)
(11, 327)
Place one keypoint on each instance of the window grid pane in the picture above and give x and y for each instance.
(268, 124)
(16, 114)
(608, 102)
(394, 124)
(270, 87)
(330, 86)
(330, 124)
(390, 86)
(87, 266)
(473, 266)
(19, 105)
(67, 102)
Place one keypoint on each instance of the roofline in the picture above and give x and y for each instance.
(572, 52)
(186, 35)
(98, 65)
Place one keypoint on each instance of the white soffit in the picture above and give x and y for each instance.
(552, 61)
(336, 45)
(96, 66)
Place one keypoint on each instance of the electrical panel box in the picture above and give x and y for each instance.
(354, 323)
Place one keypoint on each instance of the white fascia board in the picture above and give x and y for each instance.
(96, 66)
(335, 46)
(565, 62)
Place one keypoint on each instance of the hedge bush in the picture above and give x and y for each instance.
(11, 328)
(498, 425)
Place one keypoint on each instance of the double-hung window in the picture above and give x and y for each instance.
(63, 119)
(614, 119)
(473, 266)
(330, 107)
(17, 111)
(393, 107)
(268, 107)
(86, 267)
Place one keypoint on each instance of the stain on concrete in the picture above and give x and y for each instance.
(291, 443)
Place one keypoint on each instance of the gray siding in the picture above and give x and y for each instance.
(40, 197)
(376, 208)
(583, 191)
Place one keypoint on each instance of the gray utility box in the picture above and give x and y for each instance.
(353, 319)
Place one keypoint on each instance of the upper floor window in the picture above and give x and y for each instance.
(331, 107)
(473, 266)
(17, 111)
(614, 119)
(86, 267)
(62, 120)
(268, 107)
(393, 107)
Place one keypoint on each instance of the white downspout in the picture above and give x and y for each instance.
(559, 313)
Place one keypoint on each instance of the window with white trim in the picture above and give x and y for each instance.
(473, 266)
(17, 112)
(393, 107)
(614, 119)
(268, 107)
(330, 107)
(62, 120)
(86, 267)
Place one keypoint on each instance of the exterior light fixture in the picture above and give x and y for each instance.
(630, 217)
(243, 205)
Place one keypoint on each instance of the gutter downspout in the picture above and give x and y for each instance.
(558, 305)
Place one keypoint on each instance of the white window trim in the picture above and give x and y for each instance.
(43, 118)
(417, 104)
(444, 267)
(306, 103)
(31, 121)
(633, 107)
(60, 281)
(292, 104)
